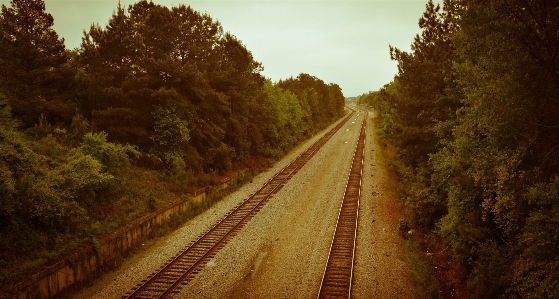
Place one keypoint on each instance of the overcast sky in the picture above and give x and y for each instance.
(339, 41)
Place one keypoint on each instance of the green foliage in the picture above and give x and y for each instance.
(48, 191)
(96, 243)
(487, 278)
(41, 197)
(31, 188)
(173, 83)
(172, 133)
(172, 130)
(287, 126)
(78, 128)
(411, 108)
(535, 272)
(152, 202)
(6, 119)
(111, 156)
(382, 103)
(155, 103)
(221, 157)
(472, 114)
(33, 73)
(320, 103)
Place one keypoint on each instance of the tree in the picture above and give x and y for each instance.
(419, 107)
(108, 58)
(172, 131)
(320, 102)
(33, 70)
(421, 77)
(41, 195)
(237, 76)
(336, 101)
(150, 50)
(286, 127)
(501, 160)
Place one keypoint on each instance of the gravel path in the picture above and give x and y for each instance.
(282, 251)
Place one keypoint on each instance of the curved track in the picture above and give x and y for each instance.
(184, 266)
(338, 273)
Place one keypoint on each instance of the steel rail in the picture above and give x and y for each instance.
(187, 263)
(337, 279)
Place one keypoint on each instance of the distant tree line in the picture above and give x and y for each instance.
(474, 116)
(157, 88)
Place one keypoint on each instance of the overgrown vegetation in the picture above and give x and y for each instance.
(158, 102)
(472, 114)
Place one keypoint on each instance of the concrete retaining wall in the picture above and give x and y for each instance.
(89, 262)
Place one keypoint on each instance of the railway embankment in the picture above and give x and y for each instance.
(86, 263)
(81, 267)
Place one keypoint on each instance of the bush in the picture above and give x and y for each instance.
(223, 157)
(489, 278)
(112, 156)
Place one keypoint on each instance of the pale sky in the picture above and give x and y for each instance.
(342, 42)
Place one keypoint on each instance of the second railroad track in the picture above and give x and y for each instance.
(338, 273)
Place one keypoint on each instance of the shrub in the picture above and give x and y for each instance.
(112, 156)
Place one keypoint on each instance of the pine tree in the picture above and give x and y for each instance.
(32, 63)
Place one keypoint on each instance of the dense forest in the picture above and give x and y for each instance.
(157, 102)
(473, 117)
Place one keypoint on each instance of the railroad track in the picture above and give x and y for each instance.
(181, 269)
(338, 273)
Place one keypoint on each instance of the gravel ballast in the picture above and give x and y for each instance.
(379, 272)
(282, 251)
